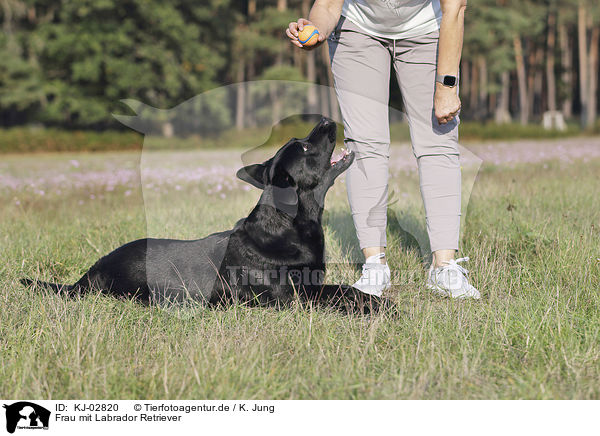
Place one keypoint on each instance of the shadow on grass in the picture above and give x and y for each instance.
(406, 227)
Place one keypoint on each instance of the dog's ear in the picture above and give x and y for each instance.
(254, 174)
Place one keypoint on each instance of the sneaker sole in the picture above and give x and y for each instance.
(444, 293)
(376, 293)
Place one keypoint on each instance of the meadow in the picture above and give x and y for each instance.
(531, 227)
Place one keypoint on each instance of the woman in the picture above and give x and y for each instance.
(423, 40)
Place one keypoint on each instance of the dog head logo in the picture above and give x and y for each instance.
(26, 415)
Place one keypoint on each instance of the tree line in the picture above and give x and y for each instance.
(69, 63)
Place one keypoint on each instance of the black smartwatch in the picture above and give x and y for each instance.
(449, 81)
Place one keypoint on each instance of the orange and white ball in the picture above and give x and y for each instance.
(308, 36)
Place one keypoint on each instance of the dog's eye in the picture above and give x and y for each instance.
(305, 147)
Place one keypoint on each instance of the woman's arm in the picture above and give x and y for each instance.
(447, 102)
(324, 15)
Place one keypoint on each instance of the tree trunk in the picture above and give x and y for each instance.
(281, 7)
(521, 79)
(583, 61)
(538, 83)
(535, 79)
(333, 108)
(567, 74)
(483, 88)
(530, 69)
(465, 79)
(593, 78)
(550, 77)
(311, 69)
(250, 119)
(250, 109)
(273, 88)
(240, 103)
(492, 103)
(311, 76)
(324, 105)
(276, 102)
(473, 91)
(502, 110)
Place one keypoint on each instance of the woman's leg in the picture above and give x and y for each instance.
(361, 66)
(435, 146)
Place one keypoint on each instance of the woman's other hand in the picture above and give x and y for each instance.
(446, 103)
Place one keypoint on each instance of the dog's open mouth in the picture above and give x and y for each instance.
(339, 157)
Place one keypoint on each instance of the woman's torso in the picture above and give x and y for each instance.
(395, 19)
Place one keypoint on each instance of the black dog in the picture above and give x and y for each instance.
(272, 256)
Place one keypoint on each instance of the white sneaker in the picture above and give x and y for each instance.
(375, 277)
(451, 280)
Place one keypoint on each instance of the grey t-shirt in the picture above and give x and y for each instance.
(395, 19)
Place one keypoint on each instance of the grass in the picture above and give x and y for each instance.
(39, 139)
(532, 233)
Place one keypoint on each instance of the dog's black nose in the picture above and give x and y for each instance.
(326, 121)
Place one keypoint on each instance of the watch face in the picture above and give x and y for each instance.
(449, 80)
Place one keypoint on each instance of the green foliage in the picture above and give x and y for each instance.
(93, 53)
(475, 131)
(20, 80)
(21, 140)
(490, 29)
(69, 63)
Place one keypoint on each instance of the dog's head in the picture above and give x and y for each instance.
(300, 166)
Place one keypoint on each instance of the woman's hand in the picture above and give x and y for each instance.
(446, 103)
(297, 26)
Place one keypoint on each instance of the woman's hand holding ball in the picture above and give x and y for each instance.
(304, 34)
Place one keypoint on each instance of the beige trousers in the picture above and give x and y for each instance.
(361, 66)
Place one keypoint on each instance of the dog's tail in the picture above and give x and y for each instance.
(56, 287)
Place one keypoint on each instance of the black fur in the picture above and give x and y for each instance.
(273, 256)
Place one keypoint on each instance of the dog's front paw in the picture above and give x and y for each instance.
(363, 303)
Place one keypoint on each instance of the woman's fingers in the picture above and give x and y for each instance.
(293, 39)
(293, 29)
(452, 115)
(446, 119)
(292, 33)
(303, 22)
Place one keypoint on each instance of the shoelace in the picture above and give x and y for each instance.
(372, 265)
(453, 264)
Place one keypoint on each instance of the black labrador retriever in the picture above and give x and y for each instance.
(273, 256)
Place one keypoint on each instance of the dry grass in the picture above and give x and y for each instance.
(532, 232)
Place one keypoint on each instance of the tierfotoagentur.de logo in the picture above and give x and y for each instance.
(24, 415)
